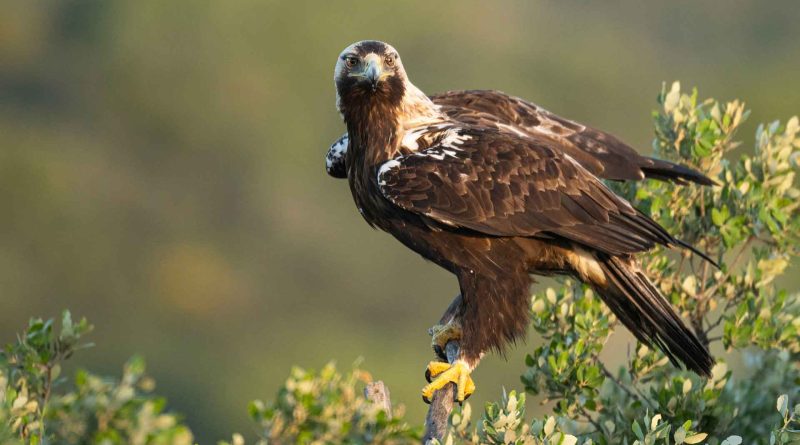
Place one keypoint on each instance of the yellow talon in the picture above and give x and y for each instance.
(444, 373)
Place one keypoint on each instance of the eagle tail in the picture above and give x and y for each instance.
(671, 172)
(648, 315)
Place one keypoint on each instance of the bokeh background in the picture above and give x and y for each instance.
(161, 168)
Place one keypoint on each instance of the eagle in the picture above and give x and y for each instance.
(495, 189)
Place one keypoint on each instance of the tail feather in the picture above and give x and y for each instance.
(697, 252)
(658, 233)
(649, 316)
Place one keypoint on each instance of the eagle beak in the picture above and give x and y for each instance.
(373, 73)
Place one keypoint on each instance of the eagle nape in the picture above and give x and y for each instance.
(494, 189)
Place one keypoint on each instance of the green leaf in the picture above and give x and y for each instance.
(697, 438)
(732, 440)
(568, 439)
(66, 325)
(719, 216)
(783, 404)
(680, 436)
(549, 426)
(637, 430)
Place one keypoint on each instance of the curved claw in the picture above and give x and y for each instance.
(444, 373)
(434, 369)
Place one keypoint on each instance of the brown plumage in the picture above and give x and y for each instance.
(600, 153)
(494, 189)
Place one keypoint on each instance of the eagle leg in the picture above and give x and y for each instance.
(439, 374)
(443, 333)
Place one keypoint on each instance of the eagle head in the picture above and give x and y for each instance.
(369, 73)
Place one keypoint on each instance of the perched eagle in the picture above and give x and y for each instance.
(494, 189)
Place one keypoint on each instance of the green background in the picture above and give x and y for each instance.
(162, 168)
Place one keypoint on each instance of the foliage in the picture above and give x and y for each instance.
(748, 222)
(326, 407)
(36, 407)
(504, 423)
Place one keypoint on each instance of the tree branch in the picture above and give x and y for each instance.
(442, 403)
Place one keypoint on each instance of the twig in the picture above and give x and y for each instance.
(709, 292)
(591, 420)
(729, 303)
(48, 386)
(638, 396)
(715, 323)
(713, 289)
(442, 403)
(619, 384)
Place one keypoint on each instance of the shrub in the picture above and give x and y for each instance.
(37, 407)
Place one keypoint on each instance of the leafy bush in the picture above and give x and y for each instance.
(35, 409)
(748, 222)
(327, 407)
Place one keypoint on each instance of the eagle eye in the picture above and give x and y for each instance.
(351, 61)
(389, 61)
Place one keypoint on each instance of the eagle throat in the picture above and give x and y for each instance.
(372, 124)
(376, 123)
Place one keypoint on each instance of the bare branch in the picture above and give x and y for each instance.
(443, 399)
(442, 403)
(378, 394)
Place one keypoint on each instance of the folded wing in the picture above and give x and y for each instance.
(500, 184)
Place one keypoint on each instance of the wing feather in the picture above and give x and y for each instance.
(599, 152)
(500, 184)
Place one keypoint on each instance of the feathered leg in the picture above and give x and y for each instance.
(489, 314)
(440, 373)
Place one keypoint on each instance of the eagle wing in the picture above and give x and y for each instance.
(599, 152)
(502, 185)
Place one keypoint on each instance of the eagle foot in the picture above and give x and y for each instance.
(439, 374)
(441, 334)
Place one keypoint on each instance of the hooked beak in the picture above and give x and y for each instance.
(373, 73)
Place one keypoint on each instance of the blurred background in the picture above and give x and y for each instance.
(162, 168)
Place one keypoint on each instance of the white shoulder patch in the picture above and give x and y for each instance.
(385, 168)
(423, 131)
(438, 152)
(410, 138)
(453, 137)
(448, 145)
